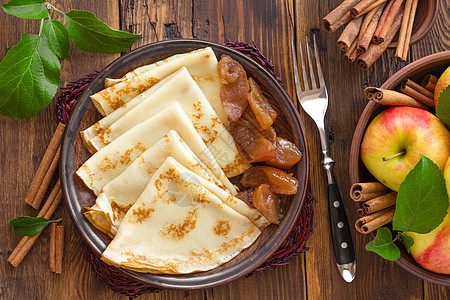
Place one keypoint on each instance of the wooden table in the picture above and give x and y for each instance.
(312, 275)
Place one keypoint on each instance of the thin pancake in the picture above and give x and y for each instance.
(182, 88)
(107, 121)
(178, 227)
(121, 193)
(112, 160)
(202, 65)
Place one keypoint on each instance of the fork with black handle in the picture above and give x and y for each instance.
(314, 102)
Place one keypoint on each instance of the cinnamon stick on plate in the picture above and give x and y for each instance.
(366, 37)
(338, 16)
(363, 191)
(392, 98)
(429, 82)
(418, 92)
(374, 51)
(379, 203)
(374, 221)
(380, 36)
(349, 34)
(47, 166)
(27, 242)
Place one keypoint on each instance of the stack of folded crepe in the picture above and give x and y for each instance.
(162, 156)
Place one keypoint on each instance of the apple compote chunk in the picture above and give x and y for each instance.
(279, 181)
(254, 147)
(264, 112)
(286, 154)
(267, 203)
(235, 87)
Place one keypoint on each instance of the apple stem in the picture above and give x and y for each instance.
(395, 155)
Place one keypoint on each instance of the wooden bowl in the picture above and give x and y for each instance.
(288, 125)
(427, 11)
(434, 64)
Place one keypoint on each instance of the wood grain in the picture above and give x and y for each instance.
(310, 276)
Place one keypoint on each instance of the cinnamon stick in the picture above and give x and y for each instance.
(406, 30)
(59, 247)
(380, 36)
(46, 181)
(350, 55)
(392, 98)
(363, 191)
(366, 37)
(45, 164)
(370, 8)
(27, 242)
(429, 82)
(410, 27)
(379, 203)
(338, 16)
(374, 51)
(418, 92)
(349, 34)
(374, 221)
(52, 256)
(382, 20)
(360, 7)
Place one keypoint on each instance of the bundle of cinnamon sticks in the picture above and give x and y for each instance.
(411, 94)
(377, 205)
(34, 198)
(372, 25)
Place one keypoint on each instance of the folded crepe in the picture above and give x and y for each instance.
(110, 161)
(202, 65)
(183, 89)
(178, 227)
(138, 71)
(121, 193)
(107, 121)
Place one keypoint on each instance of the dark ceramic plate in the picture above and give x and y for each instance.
(432, 64)
(288, 125)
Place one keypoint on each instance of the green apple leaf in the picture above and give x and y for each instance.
(443, 106)
(407, 240)
(57, 37)
(90, 34)
(383, 245)
(28, 9)
(29, 77)
(422, 200)
(29, 226)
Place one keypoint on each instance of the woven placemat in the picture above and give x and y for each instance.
(119, 283)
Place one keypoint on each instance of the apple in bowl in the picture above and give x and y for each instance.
(395, 139)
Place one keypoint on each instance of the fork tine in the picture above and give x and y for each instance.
(311, 70)
(319, 69)
(298, 86)
(305, 76)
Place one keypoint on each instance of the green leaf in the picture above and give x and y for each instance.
(383, 245)
(28, 9)
(57, 37)
(29, 77)
(407, 240)
(29, 226)
(443, 106)
(90, 34)
(422, 199)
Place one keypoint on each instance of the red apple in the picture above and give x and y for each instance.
(395, 139)
(442, 83)
(432, 250)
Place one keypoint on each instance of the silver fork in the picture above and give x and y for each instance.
(314, 101)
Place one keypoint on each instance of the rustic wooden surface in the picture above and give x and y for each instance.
(312, 275)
